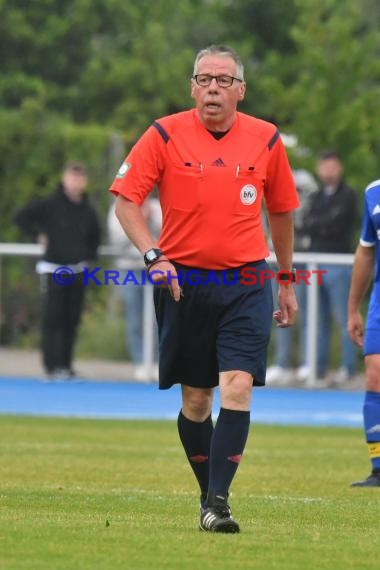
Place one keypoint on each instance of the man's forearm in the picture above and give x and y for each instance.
(134, 224)
(361, 277)
(282, 234)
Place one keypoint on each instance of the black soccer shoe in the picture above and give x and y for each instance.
(372, 480)
(218, 518)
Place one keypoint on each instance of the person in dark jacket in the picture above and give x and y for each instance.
(67, 224)
(331, 225)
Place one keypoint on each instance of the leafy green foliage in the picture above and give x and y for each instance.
(328, 90)
(84, 69)
(81, 79)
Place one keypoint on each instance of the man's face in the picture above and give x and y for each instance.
(74, 183)
(217, 105)
(330, 171)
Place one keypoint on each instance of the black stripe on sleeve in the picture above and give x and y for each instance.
(273, 139)
(162, 131)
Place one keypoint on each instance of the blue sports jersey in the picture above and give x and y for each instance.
(370, 235)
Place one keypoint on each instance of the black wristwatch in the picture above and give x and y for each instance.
(286, 276)
(152, 255)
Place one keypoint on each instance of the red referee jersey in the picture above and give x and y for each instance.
(210, 190)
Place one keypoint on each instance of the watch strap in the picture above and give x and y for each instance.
(152, 255)
(286, 276)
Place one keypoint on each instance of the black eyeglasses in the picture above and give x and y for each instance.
(204, 80)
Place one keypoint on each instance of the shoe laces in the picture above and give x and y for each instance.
(223, 510)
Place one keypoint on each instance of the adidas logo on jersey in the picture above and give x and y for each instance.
(374, 429)
(218, 162)
(376, 210)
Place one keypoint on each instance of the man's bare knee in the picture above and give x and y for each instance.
(235, 390)
(373, 372)
(196, 403)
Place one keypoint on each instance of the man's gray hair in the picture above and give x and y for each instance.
(223, 51)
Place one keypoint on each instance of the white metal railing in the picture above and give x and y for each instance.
(36, 250)
(310, 259)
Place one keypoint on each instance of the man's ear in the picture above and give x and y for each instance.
(242, 87)
(193, 87)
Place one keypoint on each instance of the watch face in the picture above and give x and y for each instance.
(287, 276)
(151, 255)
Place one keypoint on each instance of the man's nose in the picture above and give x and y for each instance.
(213, 85)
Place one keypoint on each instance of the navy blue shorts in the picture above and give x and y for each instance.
(220, 324)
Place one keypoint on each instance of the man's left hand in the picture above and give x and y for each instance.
(285, 316)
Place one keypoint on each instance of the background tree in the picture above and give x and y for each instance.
(327, 90)
(81, 79)
(80, 73)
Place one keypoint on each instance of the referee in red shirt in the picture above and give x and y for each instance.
(213, 166)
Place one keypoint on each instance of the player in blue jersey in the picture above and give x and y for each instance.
(367, 267)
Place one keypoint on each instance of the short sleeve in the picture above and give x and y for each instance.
(368, 236)
(141, 169)
(280, 190)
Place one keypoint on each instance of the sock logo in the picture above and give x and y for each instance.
(198, 458)
(234, 458)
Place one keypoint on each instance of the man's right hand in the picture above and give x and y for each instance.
(165, 275)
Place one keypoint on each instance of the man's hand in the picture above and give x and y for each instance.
(288, 307)
(165, 275)
(43, 240)
(355, 328)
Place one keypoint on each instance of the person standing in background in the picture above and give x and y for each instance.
(331, 224)
(68, 226)
(367, 268)
(285, 340)
(131, 294)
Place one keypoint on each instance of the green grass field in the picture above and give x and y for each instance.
(83, 494)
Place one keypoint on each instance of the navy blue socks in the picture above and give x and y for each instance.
(227, 446)
(196, 440)
(215, 453)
